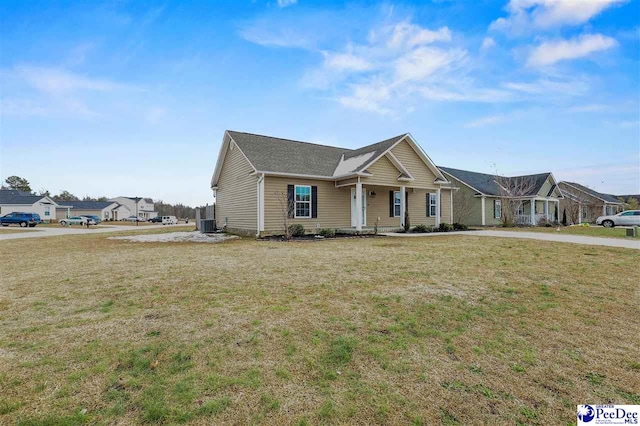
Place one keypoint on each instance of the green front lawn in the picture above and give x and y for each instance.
(448, 330)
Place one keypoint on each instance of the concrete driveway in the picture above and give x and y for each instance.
(564, 238)
(55, 231)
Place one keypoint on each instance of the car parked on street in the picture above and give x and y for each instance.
(134, 219)
(95, 218)
(169, 220)
(20, 218)
(157, 219)
(626, 218)
(77, 220)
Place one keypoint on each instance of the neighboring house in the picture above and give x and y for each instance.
(480, 197)
(261, 182)
(142, 207)
(583, 204)
(105, 210)
(627, 199)
(12, 200)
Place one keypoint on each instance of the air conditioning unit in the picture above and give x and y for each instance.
(208, 226)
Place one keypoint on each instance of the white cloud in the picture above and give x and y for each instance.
(405, 34)
(58, 81)
(423, 62)
(589, 108)
(544, 14)
(285, 3)
(488, 43)
(550, 52)
(486, 121)
(345, 62)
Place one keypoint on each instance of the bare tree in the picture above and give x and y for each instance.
(575, 203)
(287, 207)
(463, 205)
(513, 192)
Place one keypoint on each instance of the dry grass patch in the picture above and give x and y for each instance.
(455, 329)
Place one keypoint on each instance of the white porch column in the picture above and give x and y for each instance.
(403, 204)
(579, 214)
(483, 211)
(546, 207)
(359, 205)
(604, 210)
(533, 212)
(438, 207)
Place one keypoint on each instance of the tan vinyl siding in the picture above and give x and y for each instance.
(350, 181)
(334, 204)
(546, 187)
(378, 207)
(236, 197)
(467, 208)
(445, 206)
(384, 173)
(423, 176)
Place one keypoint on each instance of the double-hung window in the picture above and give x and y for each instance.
(497, 209)
(303, 201)
(396, 204)
(433, 204)
(520, 209)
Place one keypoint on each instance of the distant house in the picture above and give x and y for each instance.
(12, 200)
(628, 197)
(480, 196)
(260, 182)
(134, 206)
(105, 210)
(583, 204)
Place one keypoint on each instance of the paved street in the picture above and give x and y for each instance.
(39, 232)
(561, 238)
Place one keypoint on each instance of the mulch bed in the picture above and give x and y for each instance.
(312, 237)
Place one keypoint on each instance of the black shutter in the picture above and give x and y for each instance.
(391, 199)
(314, 201)
(494, 209)
(291, 200)
(428, 204)
(406, 201)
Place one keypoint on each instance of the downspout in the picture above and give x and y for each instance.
(260, 191)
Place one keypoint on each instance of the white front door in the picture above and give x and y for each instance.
(353, 207)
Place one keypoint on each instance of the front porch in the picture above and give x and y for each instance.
(537, 210)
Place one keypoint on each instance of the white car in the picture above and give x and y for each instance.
(627, 218)
(169, 220)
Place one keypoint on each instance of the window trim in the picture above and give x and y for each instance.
(295, 202)
(497, 209)
(397, 202)
(433, 204)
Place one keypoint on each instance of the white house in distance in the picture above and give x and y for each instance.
(12, 200)
(144, 207)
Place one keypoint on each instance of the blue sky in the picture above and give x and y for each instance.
(132, 97)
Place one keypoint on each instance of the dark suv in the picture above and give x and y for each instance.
(20, 218)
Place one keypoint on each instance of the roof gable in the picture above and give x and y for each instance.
(485, 184)
(609, 198)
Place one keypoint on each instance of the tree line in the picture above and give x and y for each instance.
(178, 210)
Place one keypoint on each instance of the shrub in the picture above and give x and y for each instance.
(421, 229)
(545, 223)
(327, 232)
(460, 227)
(407, 223)
(296, 230)
(445, 227)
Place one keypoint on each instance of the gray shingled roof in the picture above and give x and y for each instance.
(270, 154)
(606, 197)
(627, 197)
(87, 205)
(14, 196)
(486, 183)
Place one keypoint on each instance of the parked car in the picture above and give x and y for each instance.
(134, 219)
(77, 220)
(626, 218)
(20, 218)
(169, 220)
(157, 219)
(95, 218)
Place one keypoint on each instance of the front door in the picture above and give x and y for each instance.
(353, 207)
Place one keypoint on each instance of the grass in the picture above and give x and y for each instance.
(451, 330)
(588, 231)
